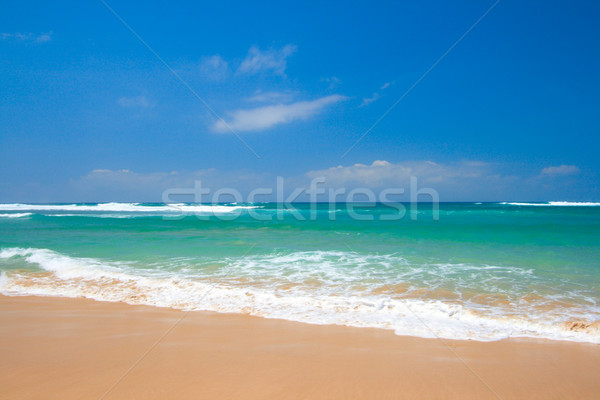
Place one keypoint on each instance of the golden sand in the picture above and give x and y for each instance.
(81, 349)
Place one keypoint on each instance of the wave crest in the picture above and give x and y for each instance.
(555, 204)
(172, 208)
(68, 276)
(15, 215)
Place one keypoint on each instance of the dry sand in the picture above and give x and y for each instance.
(81, 349)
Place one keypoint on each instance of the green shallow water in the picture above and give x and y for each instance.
(500, 260)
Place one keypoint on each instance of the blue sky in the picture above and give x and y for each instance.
(88, 113)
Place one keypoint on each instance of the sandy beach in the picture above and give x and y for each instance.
(78, 348)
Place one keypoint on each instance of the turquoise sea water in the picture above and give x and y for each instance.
(480, 271)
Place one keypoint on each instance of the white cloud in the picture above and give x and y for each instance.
(134, 102)
(214, 67)
(27, 37)
(271, 97)
(44, 37)
(368, 100)
(464, 180)
(14, 36)
(272, 60)
(262, 118)
(334, 81)
(454, 181)
(562, 170)
(383, 173)
(102, 185)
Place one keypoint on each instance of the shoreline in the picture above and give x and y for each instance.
(79, 348)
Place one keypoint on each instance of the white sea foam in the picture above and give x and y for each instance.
(555, 204)
(15, 215)
(174, 208)
(317, 304)
(106, 215)
(568, 203)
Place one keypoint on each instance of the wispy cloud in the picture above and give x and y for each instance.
(261, 118)
(368, 100)
(27, 37)
(271, 97)
(271, 60)
(333, 81)
(134, 102)
(562, 170)
(214, 68)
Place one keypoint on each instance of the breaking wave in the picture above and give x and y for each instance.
(169, 209)
(319, 287)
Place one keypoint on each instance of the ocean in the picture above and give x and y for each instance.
(479, 271)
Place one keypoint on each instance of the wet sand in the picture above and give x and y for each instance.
(82, 349)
